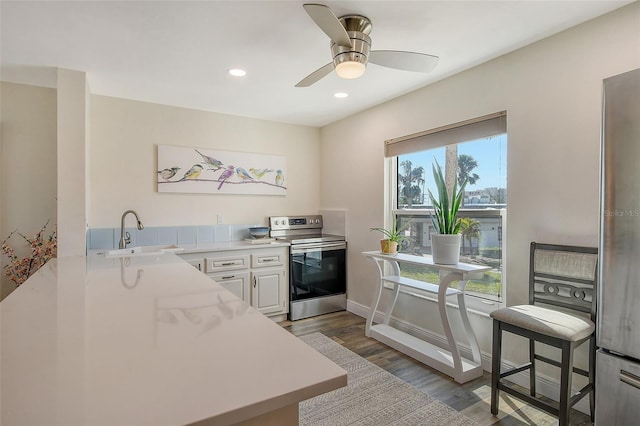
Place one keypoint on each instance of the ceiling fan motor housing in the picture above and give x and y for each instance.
(358, 27)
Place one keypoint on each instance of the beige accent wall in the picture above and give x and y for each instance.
(28, 165)
(552, 93)
(123, 171)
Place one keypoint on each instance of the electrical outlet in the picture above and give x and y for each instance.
(220, 219)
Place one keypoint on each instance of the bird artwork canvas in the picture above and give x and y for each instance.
(206, 171)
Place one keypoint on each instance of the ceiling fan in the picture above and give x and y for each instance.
(351, 44)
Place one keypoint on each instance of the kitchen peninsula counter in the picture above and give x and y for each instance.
(147, 340)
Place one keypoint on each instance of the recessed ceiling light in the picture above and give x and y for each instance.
(340, 95)
(237, 72)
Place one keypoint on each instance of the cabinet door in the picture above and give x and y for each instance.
(196, 263)
(269, 291)
(236, 282)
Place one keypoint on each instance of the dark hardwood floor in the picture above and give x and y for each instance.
(472, 398)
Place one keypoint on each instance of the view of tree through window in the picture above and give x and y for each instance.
(482, 163)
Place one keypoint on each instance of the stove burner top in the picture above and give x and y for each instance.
(311, 238)
(300, 230)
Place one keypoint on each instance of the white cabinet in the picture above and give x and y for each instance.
(269, 258)
(224, 261)
(234, 281)
(268, 293)
(258, 276)
(197, 263)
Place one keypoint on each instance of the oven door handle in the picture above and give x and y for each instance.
(315, 247)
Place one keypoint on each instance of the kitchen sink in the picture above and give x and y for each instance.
(144, 251)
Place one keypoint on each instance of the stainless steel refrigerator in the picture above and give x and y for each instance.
(618, 332)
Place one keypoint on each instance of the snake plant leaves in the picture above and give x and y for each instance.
(445, 217)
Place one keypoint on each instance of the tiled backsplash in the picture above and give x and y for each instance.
(108, 238)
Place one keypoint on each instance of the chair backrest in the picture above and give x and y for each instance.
(564, 276)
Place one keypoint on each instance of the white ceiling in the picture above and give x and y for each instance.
(178, 52)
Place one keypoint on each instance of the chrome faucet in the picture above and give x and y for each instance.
(125, 238)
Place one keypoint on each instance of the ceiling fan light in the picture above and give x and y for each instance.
(350, 69)
(237, 72)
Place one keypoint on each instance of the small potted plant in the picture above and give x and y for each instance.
(394, 236)
(445, 243)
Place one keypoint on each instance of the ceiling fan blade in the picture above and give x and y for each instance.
(316, 75)
(408, 61)
(329, 23)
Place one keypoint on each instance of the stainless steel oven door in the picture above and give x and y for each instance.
(317, 270)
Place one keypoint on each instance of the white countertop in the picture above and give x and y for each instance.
(210, 247)
(145, 340)
(230, 245)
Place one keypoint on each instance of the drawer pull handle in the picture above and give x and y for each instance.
(228, 277)
(630, 379)
(269, 259)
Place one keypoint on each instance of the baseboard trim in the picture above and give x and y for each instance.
(544, 385)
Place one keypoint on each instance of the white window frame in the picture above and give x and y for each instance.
(476, 304)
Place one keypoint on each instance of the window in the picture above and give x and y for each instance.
(475, 150)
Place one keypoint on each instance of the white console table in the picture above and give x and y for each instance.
(447, 360)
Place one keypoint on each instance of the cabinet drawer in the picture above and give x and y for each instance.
(267, 259)
(236, 282)
(227, 263)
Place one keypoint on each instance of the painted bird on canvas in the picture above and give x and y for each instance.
(279, 178)
(242, 174)
(193, 172)
(225, 175)
(167, 174)
(213, 162)
(259, 173)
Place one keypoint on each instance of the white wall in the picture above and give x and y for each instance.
(28, 169)
(124, 135)
(72, 108)
(551, 91)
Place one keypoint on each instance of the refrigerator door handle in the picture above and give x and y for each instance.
(630, 379)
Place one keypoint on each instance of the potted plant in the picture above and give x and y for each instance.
(445, 243)
(394, 236)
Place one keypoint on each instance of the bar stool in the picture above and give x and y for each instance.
(559, 276)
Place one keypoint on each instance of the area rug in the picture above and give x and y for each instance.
(373, 396)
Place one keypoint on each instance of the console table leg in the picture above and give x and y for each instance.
(473, 340)
(374, 305)
(396, 292)
(445, 280)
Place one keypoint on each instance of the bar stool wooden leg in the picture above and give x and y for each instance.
(495, 366)
(565, 383)
(532, 368)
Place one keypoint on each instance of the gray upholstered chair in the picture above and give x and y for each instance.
(563, 278)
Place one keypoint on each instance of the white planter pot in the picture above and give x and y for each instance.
(445, 248)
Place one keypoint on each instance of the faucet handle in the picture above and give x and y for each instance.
(127, 238)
